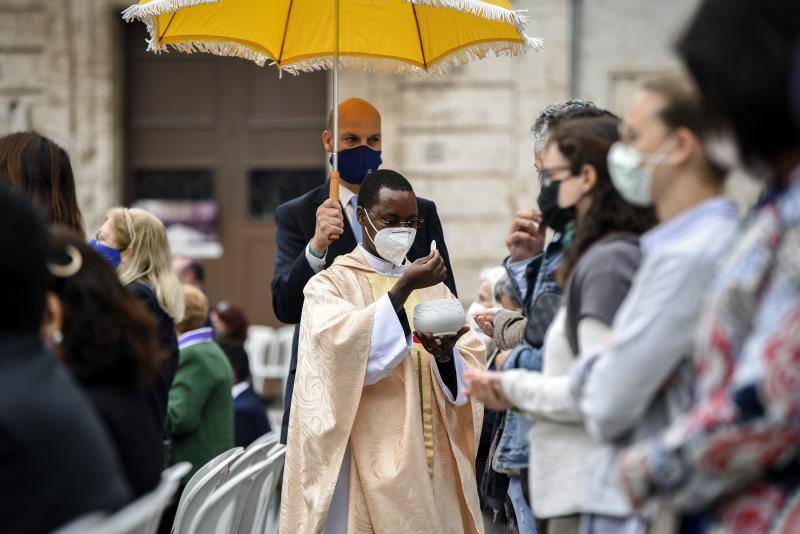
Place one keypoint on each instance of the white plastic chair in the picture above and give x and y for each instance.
(143, 515)
(269, 437)
(258, 347)
(228, 456)
(222, 511)
(260, 511)
(202, 484)
(253, 454)
(272, 523)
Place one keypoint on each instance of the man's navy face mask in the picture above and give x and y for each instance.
(356, 163)
(109, 253)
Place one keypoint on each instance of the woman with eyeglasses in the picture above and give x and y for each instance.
(135, 242)
(595, 275)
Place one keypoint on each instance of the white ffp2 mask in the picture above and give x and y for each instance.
(392, 244)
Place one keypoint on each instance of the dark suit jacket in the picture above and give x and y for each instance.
(249, 418)
(295, 223)
(128, 419)
(159, 391)
(56, 461)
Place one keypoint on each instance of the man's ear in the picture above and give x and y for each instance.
(360, 217)
(327, 139)
(588, 178)
(685, 144)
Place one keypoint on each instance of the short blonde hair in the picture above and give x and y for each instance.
(196, 308)
(149, 259)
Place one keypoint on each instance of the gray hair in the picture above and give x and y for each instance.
(504, 287)
(554, 114)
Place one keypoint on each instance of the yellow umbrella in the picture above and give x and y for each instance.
(402, 36)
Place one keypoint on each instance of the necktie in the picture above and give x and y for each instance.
(354, 221)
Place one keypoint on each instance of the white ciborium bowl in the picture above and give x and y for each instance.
(444, 317)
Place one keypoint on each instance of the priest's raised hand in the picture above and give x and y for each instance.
(425, 272)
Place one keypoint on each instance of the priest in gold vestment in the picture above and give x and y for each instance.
(381, 436)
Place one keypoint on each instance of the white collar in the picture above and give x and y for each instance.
(381, 266)
(194, 337)
(239, 388)
(345, 195)
(686, 222)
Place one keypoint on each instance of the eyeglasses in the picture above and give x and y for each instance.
(546, 175)
(392, 222)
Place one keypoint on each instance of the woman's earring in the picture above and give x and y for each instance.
(56, 338)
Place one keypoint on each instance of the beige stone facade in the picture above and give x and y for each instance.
(462, 140)
(59, 75)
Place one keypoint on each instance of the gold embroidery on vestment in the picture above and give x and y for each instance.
(420, 358)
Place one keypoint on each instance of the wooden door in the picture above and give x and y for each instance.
(200, 126)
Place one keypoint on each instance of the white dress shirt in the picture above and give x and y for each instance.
(239, 388)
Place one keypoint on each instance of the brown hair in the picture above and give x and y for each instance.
(587, 142)
(196, 311)
(234, 319)
(683, 109)
(38, 167)
(109, 335)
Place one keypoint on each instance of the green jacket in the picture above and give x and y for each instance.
(200, 409)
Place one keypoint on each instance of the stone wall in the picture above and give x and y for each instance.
(621, 42)
(58, 61)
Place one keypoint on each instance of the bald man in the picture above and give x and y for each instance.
(305, 224)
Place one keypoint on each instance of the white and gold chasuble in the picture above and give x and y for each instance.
(412, 451)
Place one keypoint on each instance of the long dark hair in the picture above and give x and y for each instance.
(109, 336)
(587, 142)
(40, 169)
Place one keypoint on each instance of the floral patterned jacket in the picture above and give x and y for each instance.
(736, 453)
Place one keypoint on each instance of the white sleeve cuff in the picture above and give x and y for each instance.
(317, 264)
(388, 345)
(461, 398)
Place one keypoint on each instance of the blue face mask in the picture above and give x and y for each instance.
(110, 254)
(356, 163)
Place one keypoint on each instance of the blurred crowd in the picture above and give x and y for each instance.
(108, 352)
(650, 383)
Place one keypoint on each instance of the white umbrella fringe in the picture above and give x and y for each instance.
(485, 10)
(449, 61)
(147, 13)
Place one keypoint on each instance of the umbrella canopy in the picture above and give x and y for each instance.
(402, 36)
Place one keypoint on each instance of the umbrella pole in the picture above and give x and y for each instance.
(334, 185)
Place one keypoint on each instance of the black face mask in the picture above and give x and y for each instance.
(553, 216)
